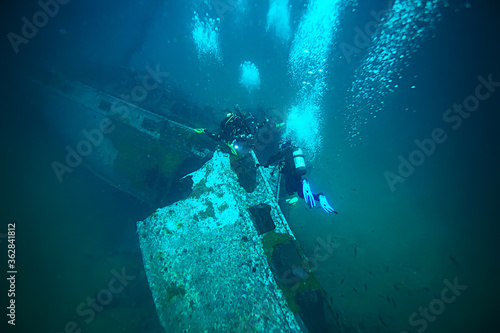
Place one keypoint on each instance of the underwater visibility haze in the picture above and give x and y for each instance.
(250, 166)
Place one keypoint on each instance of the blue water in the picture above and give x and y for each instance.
(401, 233)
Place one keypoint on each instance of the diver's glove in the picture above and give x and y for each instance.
(308, 195)
(325, 205)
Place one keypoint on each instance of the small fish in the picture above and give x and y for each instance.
(394, 303)
(342, 281)
(388, 299)
(430, 292)
(355, 251)
(366, 287)
(382, 321)
(395, 285)
(453, 260)
(356, 290)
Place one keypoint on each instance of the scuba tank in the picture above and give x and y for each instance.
(299, 162)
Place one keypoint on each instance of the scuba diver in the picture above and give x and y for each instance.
(291, 163)
(237, 130)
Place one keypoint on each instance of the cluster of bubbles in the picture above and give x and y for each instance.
(249, 76)
(206, 37)
(303, 124)
(278, 19)
(309, 52)
(400, 35)
(312, 41)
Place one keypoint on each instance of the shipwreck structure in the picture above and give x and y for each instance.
(225, 260)
(219, 254)
(141, 152)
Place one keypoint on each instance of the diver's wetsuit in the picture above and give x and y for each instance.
(293, 179)
(234, 127)
(237, 126)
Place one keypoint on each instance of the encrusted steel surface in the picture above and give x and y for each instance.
(205, 261)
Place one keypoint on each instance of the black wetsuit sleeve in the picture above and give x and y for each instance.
(214, 136)
(276, 157)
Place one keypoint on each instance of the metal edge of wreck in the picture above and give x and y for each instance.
(211, 266)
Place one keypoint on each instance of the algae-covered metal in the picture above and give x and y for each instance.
(138, 151)
(220, 260)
